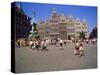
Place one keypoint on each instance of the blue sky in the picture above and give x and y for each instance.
(44, 10)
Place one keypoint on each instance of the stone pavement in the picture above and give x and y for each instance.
(28, 60)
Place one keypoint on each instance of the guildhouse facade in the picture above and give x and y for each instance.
(60, 26)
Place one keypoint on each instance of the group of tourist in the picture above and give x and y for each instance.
(39, 44)
(21, 43)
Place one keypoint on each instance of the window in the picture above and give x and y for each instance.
(78, 27)
(70, 30)
(77, 23)
(54, 21)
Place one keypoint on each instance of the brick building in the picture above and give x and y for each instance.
(22, 21)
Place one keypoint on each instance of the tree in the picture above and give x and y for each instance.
(82, 35)
(93, 34)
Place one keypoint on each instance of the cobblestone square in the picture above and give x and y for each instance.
(55, 59)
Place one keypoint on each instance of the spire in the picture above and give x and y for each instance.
(47, 19)
(54, 14)
(54, 10)
(70, 16)
(77, 20)
(34, 15)
(62, 16)
(84, 21)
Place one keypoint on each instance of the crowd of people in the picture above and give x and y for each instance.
(43, 44)
(60, 43)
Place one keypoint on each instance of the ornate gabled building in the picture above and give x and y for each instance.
(70, 27)
(60, 26)
(81, 26)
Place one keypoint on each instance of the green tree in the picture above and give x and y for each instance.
(82, 35)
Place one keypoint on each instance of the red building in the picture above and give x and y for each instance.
(22, 22)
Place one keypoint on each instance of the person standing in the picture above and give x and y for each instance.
(87, 41)
(33, 46)
(42, 44)
(31, 43)
(76, 50)
(45, 45)
(61, 43)
(81, 50)
(37, 45)
(65, 41)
